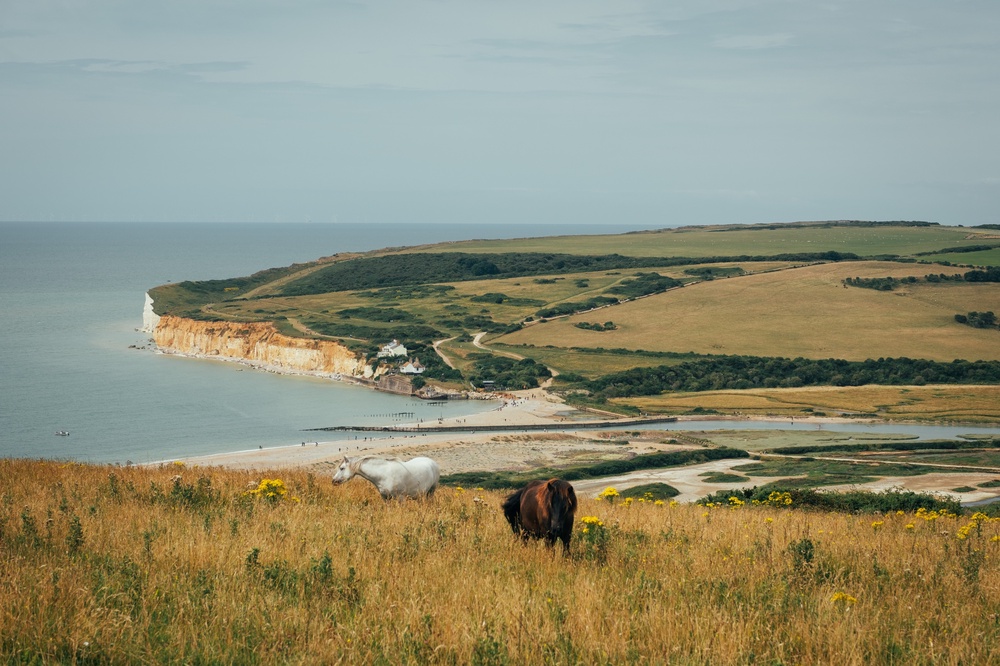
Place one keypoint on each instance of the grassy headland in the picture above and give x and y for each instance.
(590, 306)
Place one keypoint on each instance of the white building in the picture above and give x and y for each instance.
(392, 350)
(412, 367)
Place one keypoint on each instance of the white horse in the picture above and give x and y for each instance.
(393, 477)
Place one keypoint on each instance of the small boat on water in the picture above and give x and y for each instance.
(62, 433)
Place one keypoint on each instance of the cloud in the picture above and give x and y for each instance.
(752, 42)
(122, 66)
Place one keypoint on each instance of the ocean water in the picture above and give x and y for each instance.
(71, 298)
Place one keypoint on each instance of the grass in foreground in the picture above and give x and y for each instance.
(169, 565)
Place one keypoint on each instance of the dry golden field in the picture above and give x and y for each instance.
(803, 312)
(937, 403)
(179, 565)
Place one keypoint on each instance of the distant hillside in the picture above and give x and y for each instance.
(774, 290)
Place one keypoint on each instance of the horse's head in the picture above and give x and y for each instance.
(344, 472)
(562, 505)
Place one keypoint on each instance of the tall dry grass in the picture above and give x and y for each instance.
(168, 565)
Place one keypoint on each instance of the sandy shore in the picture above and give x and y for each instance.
(457, 451)
(466, 450)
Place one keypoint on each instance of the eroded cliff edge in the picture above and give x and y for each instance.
(256, 344)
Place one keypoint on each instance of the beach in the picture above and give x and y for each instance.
(468, 449)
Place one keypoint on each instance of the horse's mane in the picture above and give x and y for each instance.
(356, 463)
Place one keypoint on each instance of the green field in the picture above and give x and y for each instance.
(750, 239)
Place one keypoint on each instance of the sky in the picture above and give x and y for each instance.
(487, 112)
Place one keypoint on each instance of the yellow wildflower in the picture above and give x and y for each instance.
(608, 494)
(844, 599)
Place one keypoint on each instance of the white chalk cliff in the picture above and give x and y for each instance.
(149, 318)
(255, 343)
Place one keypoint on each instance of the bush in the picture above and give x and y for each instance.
(858, 501)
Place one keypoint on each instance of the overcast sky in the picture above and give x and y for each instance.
(487, 111)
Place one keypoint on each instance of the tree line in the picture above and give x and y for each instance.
(991, 274)
(978, 319)
(413, 269)
(643, 284)
(748, 372)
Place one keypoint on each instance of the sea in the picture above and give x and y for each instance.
(73, 360)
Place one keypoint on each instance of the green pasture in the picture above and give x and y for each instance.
(588, 363)
(752, 239)
(818, 472)
(983, 258)
(761, 440)
(723, 477)
(458, 353)
(974, 458)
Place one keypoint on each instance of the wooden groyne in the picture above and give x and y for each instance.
(565, 425)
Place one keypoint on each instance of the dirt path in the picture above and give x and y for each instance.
(477, 341)
(444, 357)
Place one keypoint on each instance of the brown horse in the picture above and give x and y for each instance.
(543, 510)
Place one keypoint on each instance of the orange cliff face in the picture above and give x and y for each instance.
(260, 345)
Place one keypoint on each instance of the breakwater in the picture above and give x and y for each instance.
(567, 425)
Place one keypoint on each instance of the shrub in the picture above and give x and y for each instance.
(592, 539)
(272, 491)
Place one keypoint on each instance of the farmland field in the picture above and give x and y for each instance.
(753, 239)
(805, 312)
(894, 403)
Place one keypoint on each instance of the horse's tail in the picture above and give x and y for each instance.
(512, 510)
